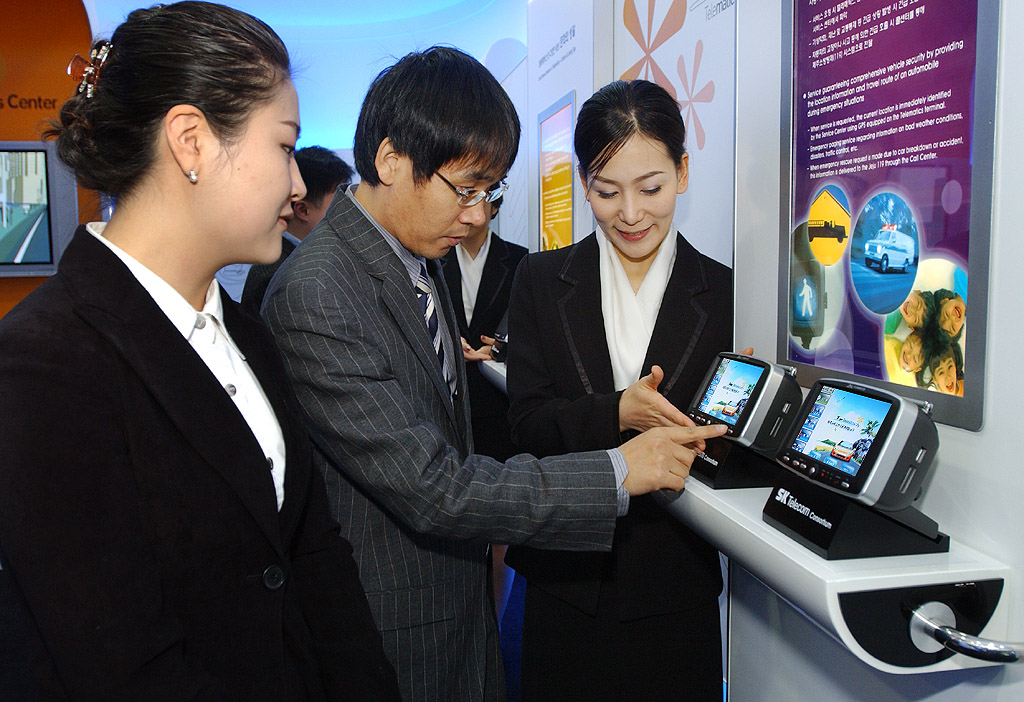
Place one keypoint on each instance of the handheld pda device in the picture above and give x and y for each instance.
(866, 443)
(755, 399)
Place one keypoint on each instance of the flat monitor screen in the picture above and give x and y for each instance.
(38, 208)
(840, 429)
(24, 209)
(729, 390)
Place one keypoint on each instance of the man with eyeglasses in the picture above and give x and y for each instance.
(366, 326)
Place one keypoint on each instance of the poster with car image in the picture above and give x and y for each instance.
(881, 194)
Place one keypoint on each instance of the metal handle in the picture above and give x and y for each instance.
(927, 627)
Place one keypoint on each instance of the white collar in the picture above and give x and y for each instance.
(629, 317)
(177, 309)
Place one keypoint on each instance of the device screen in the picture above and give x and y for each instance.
(24, 209)
(840, 428)
(730, 388)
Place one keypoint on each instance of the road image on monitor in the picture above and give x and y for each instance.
(24, 208)
(840, 428)
(729, 390)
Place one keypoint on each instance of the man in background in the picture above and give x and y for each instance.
(322, 171)
(479, 275)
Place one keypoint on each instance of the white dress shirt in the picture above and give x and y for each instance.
(472, 271)
(206, 333)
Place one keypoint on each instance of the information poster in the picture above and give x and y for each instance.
(556, 175)
(881, 192)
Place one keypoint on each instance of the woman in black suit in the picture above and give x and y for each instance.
(611, 336)
(164, 534)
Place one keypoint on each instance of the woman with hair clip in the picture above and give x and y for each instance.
(610, 337)
(162, 526)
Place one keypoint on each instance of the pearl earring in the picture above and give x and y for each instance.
(193, 178)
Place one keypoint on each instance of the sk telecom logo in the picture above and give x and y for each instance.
(782, 495)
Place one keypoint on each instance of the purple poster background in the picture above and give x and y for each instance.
(882, 104)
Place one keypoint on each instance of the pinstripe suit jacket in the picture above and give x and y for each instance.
(395, 449)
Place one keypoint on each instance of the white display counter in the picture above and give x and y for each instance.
(843, 596)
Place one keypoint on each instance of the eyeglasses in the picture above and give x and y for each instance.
(468, 197)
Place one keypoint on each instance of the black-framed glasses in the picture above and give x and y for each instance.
(468, 198)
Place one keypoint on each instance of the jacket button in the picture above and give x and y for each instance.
(273, 577)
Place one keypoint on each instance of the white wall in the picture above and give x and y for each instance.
(578, 65)
(978, 481)
(513, 220)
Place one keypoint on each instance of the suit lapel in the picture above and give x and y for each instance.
(445, 301)
(682, 318)
(123, 312)
(579, 310)
(495, 276)
(453, 281)
(258, 348)
(397, 294)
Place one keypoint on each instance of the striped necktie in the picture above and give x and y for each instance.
(426, 298)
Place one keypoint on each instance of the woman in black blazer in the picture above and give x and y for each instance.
(163, 533)
(608, 337)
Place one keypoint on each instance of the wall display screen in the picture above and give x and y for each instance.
(24, 209)
(38, 208)
(556, 174)
(887, 203)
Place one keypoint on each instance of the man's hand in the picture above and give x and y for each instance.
(642, 407)
(660, 459)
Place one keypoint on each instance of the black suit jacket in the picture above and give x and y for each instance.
(563, 399)
(138, 518)
(259, 278)
(488, 404)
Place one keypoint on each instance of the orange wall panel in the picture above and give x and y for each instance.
(39, 40)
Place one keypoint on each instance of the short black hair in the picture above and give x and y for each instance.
(620, 110)
(495, 205)
(437, 107)
(322, 171)
(222, 61)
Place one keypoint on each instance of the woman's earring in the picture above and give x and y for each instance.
(192, 177)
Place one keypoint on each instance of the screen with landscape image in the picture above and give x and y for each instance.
(840, 428)
(730, 388)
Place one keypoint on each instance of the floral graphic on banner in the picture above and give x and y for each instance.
(705, 94)
(672, 23)
(688, 47)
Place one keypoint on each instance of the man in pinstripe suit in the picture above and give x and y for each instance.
(390, 419)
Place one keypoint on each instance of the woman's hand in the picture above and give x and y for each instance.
(642, 407)
(481, 354)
